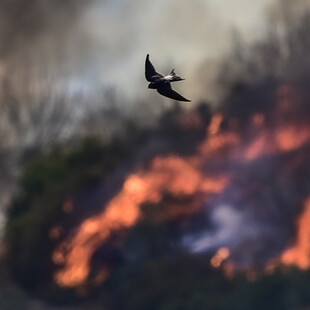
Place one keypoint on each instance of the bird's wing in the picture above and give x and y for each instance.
(166, 90)
(150, 72)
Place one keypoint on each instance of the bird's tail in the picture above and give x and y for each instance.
(175, 77)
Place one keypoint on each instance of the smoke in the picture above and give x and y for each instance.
(60, 61)
(251, 241)
(279, 54)
(81, 46)
(177, 34)
(78, 46)
(38, 38)
(227, 221)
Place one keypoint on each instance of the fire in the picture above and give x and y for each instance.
(215, 124)
(221, 255)
(257, 147)
(299, 254)
(186, 177)
(291, 137)
(167, 174)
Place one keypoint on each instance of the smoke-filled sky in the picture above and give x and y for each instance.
(80, 46)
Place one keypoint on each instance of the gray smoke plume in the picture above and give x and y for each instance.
(77, 45)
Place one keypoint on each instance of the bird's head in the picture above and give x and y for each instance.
(152, 85)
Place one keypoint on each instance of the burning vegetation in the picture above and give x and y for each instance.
(238, 198)
(213, 206)
(299, 253)
(249, 161)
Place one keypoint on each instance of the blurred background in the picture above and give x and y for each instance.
(114, 197)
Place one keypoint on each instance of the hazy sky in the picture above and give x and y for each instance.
(86, 45)
(177, 33)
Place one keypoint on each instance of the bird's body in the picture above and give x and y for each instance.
(162, 83)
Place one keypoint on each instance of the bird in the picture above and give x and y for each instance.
(162, 83)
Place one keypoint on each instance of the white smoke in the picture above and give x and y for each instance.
(228, 223)
(189, 36)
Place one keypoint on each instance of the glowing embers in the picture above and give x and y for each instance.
(299, 253)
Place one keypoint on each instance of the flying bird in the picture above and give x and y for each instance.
(162, 83)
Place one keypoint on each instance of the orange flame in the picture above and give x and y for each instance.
(284, 138)
(167, 174)
(180, 177)
(215, 124)
(299, 254)
(220, 256)
(290, 138)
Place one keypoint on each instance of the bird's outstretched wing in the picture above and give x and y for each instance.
(166, 90)
(150, 72)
